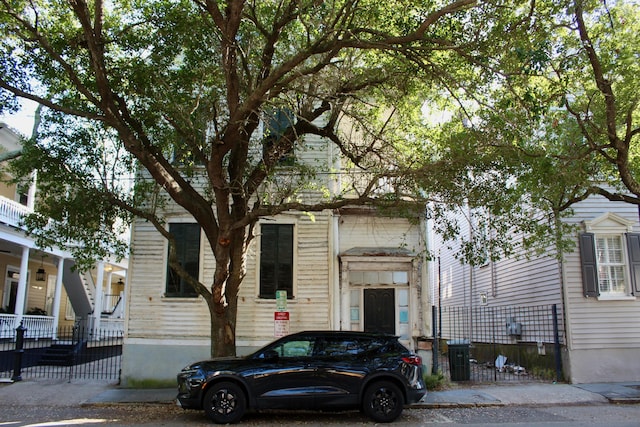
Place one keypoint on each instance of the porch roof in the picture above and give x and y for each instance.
(377, 252)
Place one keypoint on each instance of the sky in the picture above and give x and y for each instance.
(21, 121)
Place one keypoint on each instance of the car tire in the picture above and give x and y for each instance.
(225, 403)
(382, 402)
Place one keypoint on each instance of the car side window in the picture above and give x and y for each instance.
(339, 347)
(297, 348)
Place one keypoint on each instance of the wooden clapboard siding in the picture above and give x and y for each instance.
(594, 323)
(591, 323)
(151, 314)
(157, 316)
(310, 309)
(517, 280)
(373, 231)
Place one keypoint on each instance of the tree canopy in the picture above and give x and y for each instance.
(199, 103)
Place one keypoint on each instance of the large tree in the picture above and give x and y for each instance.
(202, 100)
(575, 112)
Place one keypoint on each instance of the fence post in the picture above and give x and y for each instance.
(556, 341)
(17, 366)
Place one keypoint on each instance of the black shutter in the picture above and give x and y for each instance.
(589, 265)
(633, 247)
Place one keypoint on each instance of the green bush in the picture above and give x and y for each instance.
(434, 381)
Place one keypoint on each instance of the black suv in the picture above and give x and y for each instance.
(308, 370)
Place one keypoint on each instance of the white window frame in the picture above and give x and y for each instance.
(610, 270)
(607, 226)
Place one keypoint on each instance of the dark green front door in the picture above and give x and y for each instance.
(379, 311)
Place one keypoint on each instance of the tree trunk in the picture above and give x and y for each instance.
(223, 327)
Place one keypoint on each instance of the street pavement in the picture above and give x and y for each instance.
(55, 392)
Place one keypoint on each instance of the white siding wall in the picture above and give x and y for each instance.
(155, 316)
(604, 338)
(511, 281)
(151, 314)
(310, 309)
(371, 231)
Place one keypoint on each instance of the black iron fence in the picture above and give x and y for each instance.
(498, 343)
(74, 352)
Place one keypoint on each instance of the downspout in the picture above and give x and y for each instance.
(335, 290)
(563, 288)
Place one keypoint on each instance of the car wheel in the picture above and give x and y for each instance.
(382, 402)
(225, 403)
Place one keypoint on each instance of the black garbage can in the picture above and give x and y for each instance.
(459, 360)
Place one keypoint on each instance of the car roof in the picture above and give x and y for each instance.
(354, 334)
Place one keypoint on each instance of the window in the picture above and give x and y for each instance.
(276, 260)
(187, 238)
(610, 264)
(276, 124)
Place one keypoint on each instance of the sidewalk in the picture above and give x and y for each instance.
(62, 393)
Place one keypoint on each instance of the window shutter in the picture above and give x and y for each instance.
(589, 265)
(633, 247)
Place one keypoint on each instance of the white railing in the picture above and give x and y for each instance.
(42, 326)
(12, 212)
(8, 325)
(111, 325)
(36, 326)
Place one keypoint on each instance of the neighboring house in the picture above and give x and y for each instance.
(596, 288)
(348, 269)
(41, 289)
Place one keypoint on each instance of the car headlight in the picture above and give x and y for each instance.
(190, 369)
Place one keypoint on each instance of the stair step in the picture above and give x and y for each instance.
(59, 355)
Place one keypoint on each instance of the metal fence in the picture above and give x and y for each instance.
(498, 343)
(74, 352)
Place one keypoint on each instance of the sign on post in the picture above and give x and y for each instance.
(281, 300)
(281, 324)
(281, 316)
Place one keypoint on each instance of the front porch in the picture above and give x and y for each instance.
(43, 290)
(44, 327)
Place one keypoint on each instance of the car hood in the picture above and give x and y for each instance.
(221, 363)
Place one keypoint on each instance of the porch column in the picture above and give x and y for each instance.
(56, 297)
(345, 321)
(97, 308)
(21, 295)
(32, 191)
(109, 277)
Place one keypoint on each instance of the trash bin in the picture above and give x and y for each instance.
(459, 365)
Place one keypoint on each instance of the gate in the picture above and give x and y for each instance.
(486, 344)
(73, 352)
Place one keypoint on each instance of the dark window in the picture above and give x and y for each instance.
(276, 260)
(276, 124)
(187, 237)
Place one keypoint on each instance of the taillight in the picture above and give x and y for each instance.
(412, 360)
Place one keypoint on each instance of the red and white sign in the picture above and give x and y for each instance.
(281, 324)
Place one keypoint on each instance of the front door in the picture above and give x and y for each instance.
(379, 311)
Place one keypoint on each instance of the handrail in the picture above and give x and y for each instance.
(12, 212)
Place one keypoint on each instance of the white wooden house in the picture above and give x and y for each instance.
(351, 269)
(596, 288)
(40, 288)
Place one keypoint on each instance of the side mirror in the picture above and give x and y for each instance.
(270, 355)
